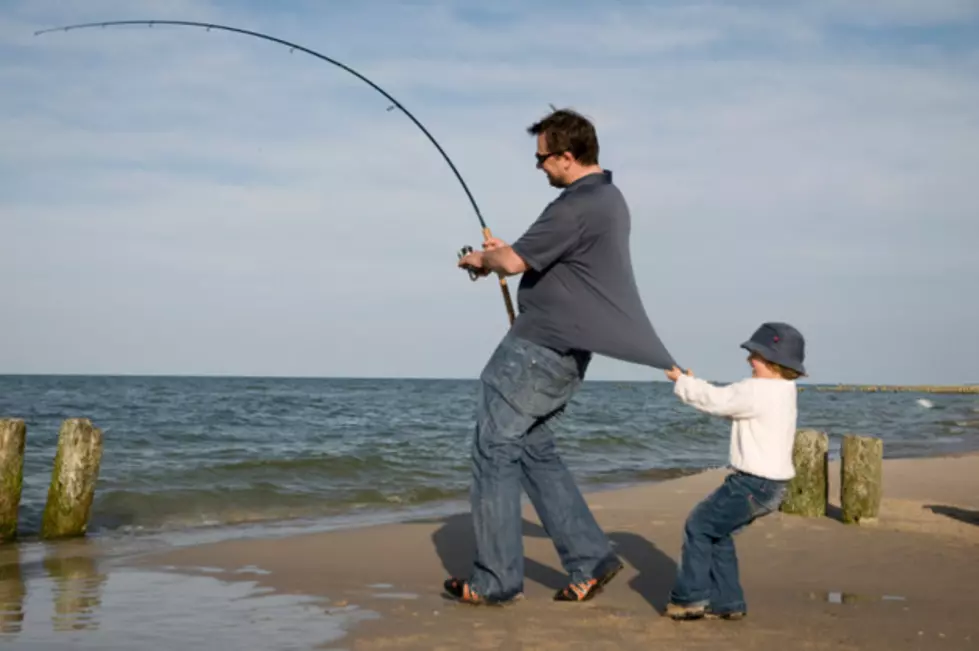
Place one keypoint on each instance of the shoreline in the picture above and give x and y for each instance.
(924, 543)
(354, 519)
(276, 528)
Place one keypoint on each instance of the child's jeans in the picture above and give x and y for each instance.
(708, 572)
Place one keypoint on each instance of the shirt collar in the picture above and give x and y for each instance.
(595, 178)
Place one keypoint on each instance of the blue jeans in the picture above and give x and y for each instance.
(708, 571)
(524, 390)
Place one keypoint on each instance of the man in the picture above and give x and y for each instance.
(577, 297)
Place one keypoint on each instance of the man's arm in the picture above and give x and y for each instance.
(551, 236)
(504, 261)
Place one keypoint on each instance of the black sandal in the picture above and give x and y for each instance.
(587, 590)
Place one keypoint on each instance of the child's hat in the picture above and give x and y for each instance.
(780, 344)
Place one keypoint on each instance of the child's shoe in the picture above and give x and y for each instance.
(731, 616)
(679, 613)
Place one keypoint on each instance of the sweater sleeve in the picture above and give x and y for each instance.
(733, 401)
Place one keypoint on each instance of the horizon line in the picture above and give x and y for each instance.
(219, 376)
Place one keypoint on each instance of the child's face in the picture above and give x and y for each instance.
(759, 368)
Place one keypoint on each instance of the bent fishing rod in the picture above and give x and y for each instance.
(487, 234)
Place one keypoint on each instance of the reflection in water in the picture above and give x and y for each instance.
(77, 592)
(67, 596)
(13, 591)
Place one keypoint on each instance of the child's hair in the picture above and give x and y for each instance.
(784, 373)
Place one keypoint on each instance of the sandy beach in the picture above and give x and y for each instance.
(904, 582)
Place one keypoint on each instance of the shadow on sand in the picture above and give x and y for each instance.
(954, 512)
(655, 570)
(834, 512)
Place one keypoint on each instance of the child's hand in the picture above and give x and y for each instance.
(674, 373)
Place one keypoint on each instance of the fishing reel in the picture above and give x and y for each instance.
(473, 273)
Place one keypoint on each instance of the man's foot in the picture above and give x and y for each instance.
(461, 591)
(586, 590)
(685, 613)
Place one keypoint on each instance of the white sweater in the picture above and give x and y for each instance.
(763, 415)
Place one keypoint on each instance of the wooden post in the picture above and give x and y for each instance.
(861, 478)
(808, 492)
(13, 434)
(76, 470)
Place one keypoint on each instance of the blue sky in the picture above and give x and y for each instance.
(182, 202)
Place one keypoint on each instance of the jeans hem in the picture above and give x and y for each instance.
(605, 564)
(500, 597)
(689, 603)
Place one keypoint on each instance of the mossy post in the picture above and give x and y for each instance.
(76, 470)
(13, 434)
(808, 492)
(861, 478)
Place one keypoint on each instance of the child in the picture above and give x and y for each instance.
(762, 409)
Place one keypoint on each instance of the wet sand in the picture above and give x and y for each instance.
(905, 582)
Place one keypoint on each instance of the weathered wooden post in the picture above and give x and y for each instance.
(861, 478)
(76, 470)
(808, 492)
(13, 434)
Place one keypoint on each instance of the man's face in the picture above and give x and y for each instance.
(554, 164)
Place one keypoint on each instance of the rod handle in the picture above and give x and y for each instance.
(504, 289)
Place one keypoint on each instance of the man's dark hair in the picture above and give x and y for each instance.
(567, 131)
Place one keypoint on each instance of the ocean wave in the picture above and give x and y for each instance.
(181, 509)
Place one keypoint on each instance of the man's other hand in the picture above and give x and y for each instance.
(493, 243)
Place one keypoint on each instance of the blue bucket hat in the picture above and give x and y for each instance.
(780, 344)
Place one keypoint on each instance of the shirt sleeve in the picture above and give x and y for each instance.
(733, 401)
(551, 236)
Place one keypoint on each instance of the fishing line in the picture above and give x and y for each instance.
(292, 47)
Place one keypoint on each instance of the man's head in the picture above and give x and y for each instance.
(567, 147)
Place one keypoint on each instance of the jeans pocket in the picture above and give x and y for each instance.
(534, 380)
(507, 370)
(758, 508)
(554, 375)
(766, 500)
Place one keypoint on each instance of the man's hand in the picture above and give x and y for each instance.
(473, 261)
(496, 257)
(674, 374)
(493, 243)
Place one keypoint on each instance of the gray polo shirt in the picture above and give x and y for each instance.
(580, 292)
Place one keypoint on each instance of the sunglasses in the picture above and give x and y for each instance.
(543, 157)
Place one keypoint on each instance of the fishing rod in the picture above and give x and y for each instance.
(487, 234)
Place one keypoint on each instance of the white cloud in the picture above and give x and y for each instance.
(212, 203)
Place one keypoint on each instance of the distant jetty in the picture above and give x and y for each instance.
(895, 388)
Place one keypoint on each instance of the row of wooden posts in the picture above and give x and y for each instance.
(73, 478)
(861, 477)
(79, 455)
